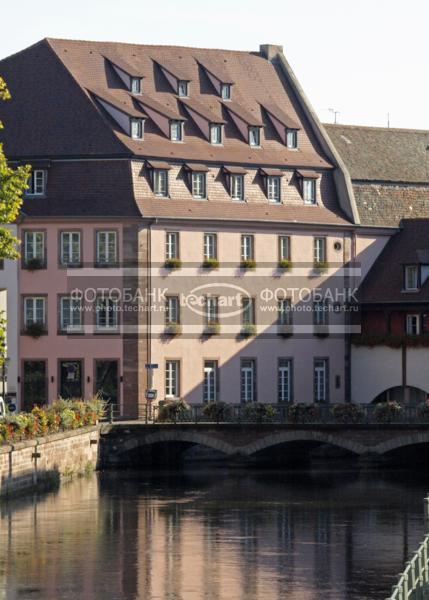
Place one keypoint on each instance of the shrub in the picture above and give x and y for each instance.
(32, 264)
(35, 329)
(302, 413)
(347, 413)
(248, 330)
(384, 412)
(172, 409)
(173, 329)
(423, 410)
(217, 411)
(212, 328)
(285, 265)
(258, 411)
(173, 264)
(210, 263)
(321, 266)
(248, 264)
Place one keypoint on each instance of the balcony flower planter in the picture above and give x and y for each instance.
(173, 329)
(173, 264)
(284, 331)
(33, 264)
(248, 330)
(321, 331)
(321, 267)
(284, 266)
(303, 413)
(347, 413)
(248, 265)
(386, 412)
(212, 328)
(35, 330)
(172, 410)
(217, 411)
(210, 264)
(259, 412)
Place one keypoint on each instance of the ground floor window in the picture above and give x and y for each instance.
(71, 379)
(284, 380)
(248, 380)
(107, 381)
(413, 324)
(321, 380)
(172, 374)
(35, 388)
(210, 385)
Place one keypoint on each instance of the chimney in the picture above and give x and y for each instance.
(270, 51)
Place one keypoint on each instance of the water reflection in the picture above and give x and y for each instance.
(212, 536)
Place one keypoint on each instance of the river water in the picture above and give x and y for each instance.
(213, 535)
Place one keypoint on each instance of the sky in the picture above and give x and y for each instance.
(363, 59)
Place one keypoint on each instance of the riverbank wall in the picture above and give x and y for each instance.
(43, 462)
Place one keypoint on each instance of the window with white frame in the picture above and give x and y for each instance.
(413, 324)
(160, 182)
(248, 381)
(284, 307)
(107, 248)
(284, 247)
(284, 380)
(320, 379)
(176, 131)
(237, 187)
(411, 277)
(254, 136)
(247, 247)
(106, 310)
(247, 311)
(210, 386)
(198, 185)
(136, 85)
(210, 246)
(320, 313)
(172, 310)
(70, 314)
(172, 379)
(137, 129)
(70, 248)
(34, 246)
(212, 310)
(225, 91)
(34, 310)
(36, 183)
(319, 255)
(171, 245)
(273, 188)
(215, 133)
(309, 190)
(182, 88)
(291, 138)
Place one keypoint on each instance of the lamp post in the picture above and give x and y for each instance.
(3, 377)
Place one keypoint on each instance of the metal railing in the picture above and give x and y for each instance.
(288, 413)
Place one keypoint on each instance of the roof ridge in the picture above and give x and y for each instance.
(375, 127)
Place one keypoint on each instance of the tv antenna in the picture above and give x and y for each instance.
(335, 114)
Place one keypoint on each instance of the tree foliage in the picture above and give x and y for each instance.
(13, 183)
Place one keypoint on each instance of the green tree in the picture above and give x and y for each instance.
(13, 183)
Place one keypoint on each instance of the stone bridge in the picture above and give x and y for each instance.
(120, 442)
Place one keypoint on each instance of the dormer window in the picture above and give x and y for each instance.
(137, 129)
(237, 187)
(136, 85)
(225, 90)
(198, 185)
(309, 190)
(273, 188)
(183, 88)
(36, 183)
(160, 182)
(411, 282)
(176, 131)
(254, 136)
(215, 134)
(292, 138)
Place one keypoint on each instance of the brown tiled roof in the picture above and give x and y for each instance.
(280, 115)
(216, 69)
(212, 112)
(385, 281)
(125, 66)
(124, 104)
(250, 116)
(168, 109)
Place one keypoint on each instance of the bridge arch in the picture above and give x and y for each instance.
(291, 436)
(178, 435)
(402, 441)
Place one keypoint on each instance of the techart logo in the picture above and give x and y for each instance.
(229, 298)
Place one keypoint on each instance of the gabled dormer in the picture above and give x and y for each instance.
(179, 80)
(220, 79)
(165, 117)
(207, 119)
(249, 123)
(129, 118)
(286, 127)
(130, 75)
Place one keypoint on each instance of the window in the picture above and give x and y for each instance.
(248, 381)
(182, 88)
(70, 314)
(247, 311)
(247, 247)
(36, 183)
(70, 378)
(70, 248)
(284, 247)
(254, 136)
(225, 91)
(237, 187)
(34, 246)
(34, 310)
(212, 310)
(284, 380)
(136, 85)
(320, 379)
(199, 185)
(319, 250)
(172, 311)
(413, 325)
(176, 131)
(160, 183)
(171, 245)
(320, 313)
(309, 190)
(215, 133)
(284, 308)
(106, 248)
(411, 277)
(137, 129)
(106, 313)
(291, 138)
(210, 387)
(172, 381)
(273, 188)
(210, 246)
